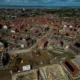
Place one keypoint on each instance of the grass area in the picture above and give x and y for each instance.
(53, 53)
(65, 54)
(69, 55)
(78, 38)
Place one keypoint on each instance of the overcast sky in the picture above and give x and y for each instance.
(40, 2)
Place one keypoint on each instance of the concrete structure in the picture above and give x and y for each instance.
(27, 75)
(72, 70)
(27, 67)
(52, 72)
(76, 61)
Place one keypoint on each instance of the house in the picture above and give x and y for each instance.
(22, 45)
(74, 49)
(5, 27)
(12, 31)
(27, 67)
(77, 60)
(42, 44)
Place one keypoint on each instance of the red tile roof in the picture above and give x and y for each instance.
(42, 20)
(43, 42)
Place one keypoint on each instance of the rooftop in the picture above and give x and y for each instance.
(28, 75)
(52, 72)
(71, 67)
